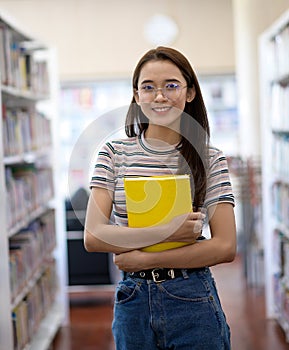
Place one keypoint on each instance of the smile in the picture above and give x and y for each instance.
(161, 109)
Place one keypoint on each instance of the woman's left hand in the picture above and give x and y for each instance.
(132, 261)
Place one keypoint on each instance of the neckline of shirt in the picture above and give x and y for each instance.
(161, 150)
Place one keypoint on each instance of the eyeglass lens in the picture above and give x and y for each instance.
(170, 91)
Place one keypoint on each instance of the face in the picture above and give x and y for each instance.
(162, 93)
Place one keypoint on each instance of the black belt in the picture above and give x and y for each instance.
(161, 275)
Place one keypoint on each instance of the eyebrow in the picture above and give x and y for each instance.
(167, 81)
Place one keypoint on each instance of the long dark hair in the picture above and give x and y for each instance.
(195, 129)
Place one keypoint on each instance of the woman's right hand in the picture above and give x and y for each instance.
(186, 228)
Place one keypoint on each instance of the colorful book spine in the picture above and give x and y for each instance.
(281, 276)
(28, 188)
(27, 315)
(280, 202)
(21, 68)
(29, 250)
(25, 130)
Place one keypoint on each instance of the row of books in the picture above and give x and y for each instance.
(280, 151)
(275, 71)
(280, 202)
(27, 189)
(28, 250)
(280, 107)
(281, 253)
(281, 277)
(18, 65)
(277, 251)
(281, 52)
(28, 314)
(24, 130)
(281, 298)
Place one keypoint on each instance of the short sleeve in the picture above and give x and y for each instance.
(103, 173)
(219, 188)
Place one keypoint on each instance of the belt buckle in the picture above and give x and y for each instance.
(156, 275)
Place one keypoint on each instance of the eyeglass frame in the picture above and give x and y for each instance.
(155, 90)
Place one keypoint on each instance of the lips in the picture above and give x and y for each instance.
(161, 109)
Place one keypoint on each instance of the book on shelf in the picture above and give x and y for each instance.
(280, 149)
(19, 67)
(28, 188)
(28, 250)
(280, 107)
(280, 202)
(28, 313)
(156, 200)
(2, 55)
(25, 130)
(29, 279)
(280, 278)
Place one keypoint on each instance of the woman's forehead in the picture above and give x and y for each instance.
(160, 70)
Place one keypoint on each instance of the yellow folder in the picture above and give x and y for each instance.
(156, 200)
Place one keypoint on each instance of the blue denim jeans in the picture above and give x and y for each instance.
(179, 314)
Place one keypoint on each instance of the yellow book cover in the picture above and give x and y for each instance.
(156, 200)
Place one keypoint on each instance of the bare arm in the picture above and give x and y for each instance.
(220, 248)
(100, 235)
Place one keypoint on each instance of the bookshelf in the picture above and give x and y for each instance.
(274, 92)
(32, 295)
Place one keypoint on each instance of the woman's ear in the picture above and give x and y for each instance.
(191, 93)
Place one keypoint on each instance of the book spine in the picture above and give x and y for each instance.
(25, 130)
(280, 107)
(280, 147)
(27, 315)
(28, 189)
(19, 68)
(29, 249)
(2, 55)
(281, 276)
(280, 202)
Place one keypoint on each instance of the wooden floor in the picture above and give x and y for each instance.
(91, 315)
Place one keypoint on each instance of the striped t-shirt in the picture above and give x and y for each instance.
(135, 156)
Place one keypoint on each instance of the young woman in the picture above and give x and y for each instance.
(168, 299)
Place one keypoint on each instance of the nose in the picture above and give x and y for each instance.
(159, 94)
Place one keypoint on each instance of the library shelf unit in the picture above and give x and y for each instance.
(33, 301)
(274, 99)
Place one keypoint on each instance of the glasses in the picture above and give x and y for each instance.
(171, 91)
